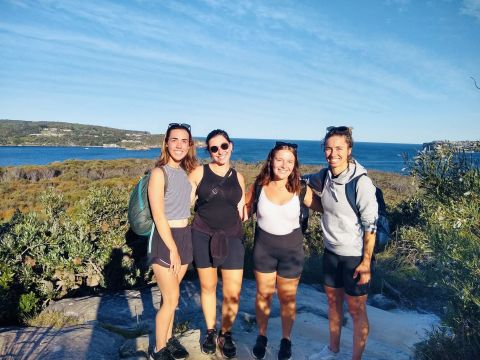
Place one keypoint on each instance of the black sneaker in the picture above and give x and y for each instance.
(177, 350)
(209, 345)
(162, 354)
(226, 345)
(285, 352)
(260, 347)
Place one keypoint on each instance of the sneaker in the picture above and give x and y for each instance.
(177, 350)
(285, 352)
(226, 345)
(260, 347)
(325, 354)
(209, 345)
(162, 354)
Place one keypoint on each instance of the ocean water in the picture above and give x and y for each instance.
(375, 156)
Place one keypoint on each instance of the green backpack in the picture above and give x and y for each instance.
(139, 213)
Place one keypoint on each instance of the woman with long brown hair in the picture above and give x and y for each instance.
(170, 243)
(278, 254)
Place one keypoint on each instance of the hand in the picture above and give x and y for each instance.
(363, 270)
(175, 262)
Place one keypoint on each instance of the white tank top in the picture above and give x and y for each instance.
(278, 219)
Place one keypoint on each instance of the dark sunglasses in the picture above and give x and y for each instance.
(281, 143)
(339, 129)
(179, 126)
(213, 149)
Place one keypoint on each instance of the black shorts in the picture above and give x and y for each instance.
(338, 273)
(281, 253)
(202, 257)
(158, 252)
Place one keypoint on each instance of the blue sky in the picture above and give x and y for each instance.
(395, 70)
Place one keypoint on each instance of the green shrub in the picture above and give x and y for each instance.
(52, 254)
(451, 210)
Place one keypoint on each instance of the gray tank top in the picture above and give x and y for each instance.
(177, 197)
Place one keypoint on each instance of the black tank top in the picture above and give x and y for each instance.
(221, 211)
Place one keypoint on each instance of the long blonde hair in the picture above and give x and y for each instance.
(189, 162)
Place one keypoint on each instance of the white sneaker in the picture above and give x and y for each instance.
(325, 354)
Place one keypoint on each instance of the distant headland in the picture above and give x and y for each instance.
(466, 146)
(49, 133)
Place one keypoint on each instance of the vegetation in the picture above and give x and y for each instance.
(450, 220)
(48, 133)
(71, 237)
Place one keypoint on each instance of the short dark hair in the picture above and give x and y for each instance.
(217, 132)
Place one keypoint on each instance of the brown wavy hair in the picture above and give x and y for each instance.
(266, 173)
(189, 162)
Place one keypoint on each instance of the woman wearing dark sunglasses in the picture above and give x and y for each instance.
(170, 244)
(278, 254)
(349, 240)
(217, 236)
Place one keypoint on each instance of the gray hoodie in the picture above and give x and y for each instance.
(342, 230)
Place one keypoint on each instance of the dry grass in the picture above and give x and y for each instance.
(53, 319)
(74, 178)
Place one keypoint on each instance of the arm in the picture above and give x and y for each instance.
(195, 177)
(241, 204)
(156, 198)
(368, 207)
(312, 200)
(363, 270)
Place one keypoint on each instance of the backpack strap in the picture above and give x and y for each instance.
(351, 193)
(257, 189)
(303, 191)
(216, 189)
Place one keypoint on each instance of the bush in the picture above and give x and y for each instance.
(451, 209)
(51, 255)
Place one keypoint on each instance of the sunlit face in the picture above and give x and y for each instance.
(178, 144)
(337, 153)
(283, 164)
(223, 149)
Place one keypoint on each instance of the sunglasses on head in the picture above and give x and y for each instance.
(179, 126)
(281, 143)
(213, 149)
(339, 129)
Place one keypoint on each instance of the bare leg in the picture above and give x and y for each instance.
(231, 286)
(335, 315)
(180, 276)
(263, 299)
(168, 285)
(208, 282)
(358, 310)
(287, 293)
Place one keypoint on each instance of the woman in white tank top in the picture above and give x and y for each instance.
(278, 249)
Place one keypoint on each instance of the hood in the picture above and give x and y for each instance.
(354, 170)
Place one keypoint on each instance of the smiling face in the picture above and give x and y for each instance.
(283, 163)
(337, 153)
(178, 144)
(220, 149)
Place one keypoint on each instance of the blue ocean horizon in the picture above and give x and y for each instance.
(386, 157)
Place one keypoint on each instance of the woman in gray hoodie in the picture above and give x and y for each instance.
(349, 239)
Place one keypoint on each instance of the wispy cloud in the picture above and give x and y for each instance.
(267, 59)
(471, 8)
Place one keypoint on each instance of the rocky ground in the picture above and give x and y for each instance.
(122, 326)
